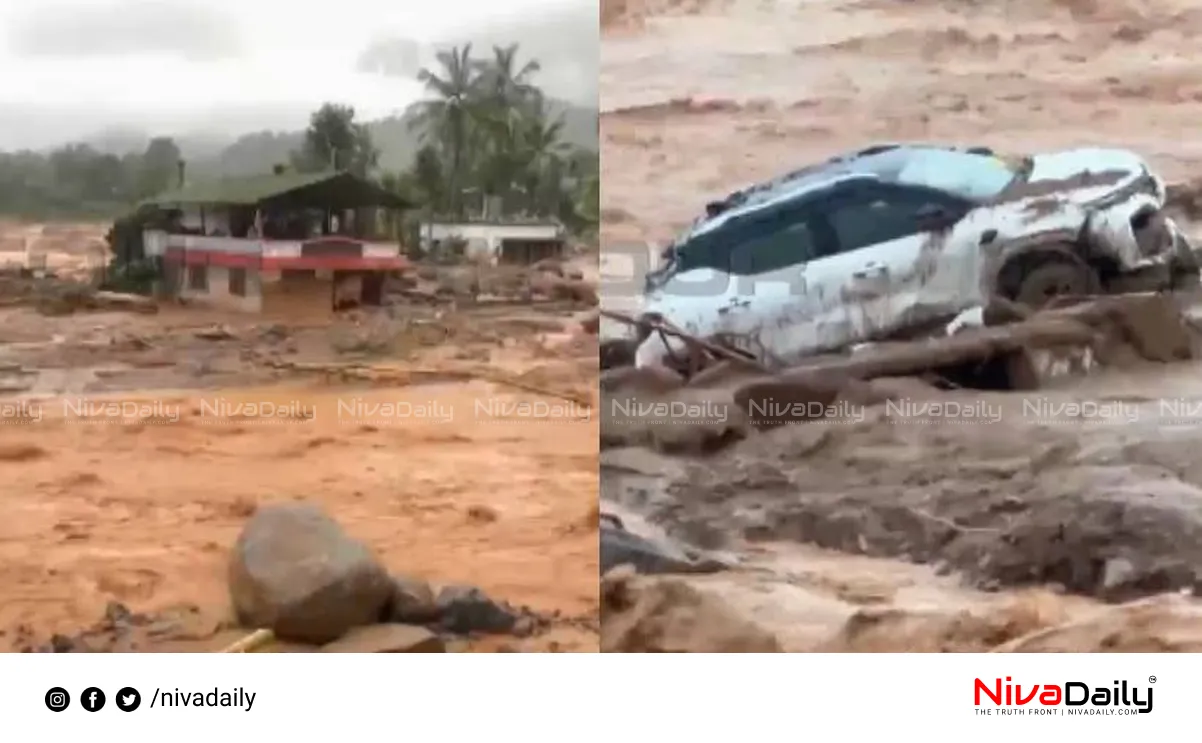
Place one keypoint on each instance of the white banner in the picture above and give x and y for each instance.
(559, 697)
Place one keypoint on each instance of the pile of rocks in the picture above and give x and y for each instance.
(295, 572)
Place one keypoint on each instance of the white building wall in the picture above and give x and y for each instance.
(218, 293)
(484, 240)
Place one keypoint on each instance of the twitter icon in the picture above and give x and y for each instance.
(128, 699)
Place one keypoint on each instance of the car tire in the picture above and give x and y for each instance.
(1056, 275)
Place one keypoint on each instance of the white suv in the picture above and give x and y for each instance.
(863, 246)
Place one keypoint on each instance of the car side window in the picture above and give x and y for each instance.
(778, 244)
(701, 252)
(875, 217)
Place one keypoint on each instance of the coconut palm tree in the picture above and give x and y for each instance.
(446, 117)
(504, 83)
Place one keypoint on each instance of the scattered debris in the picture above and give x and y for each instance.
(122, 630)
(216, 333)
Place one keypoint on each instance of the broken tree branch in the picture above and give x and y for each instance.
(666, 328)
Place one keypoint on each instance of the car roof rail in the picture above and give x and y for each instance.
(876, 149)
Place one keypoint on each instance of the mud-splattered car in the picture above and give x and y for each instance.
(866, 246)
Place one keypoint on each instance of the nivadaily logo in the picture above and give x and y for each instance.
(1068, 698)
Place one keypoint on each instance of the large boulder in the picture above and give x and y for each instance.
(296, 572)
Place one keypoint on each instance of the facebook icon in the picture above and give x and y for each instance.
(92, 699)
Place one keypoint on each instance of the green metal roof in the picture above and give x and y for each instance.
(327, 186)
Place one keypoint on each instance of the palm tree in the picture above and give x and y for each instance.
(543, 155)
(505, 84)
(486, 125)
(508, 99)
(446, 118)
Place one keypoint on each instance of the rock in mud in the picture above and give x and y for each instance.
(387, 638)
(412, 602)
(620, 547)
(296, 572)
(466, 609)
(667, 615)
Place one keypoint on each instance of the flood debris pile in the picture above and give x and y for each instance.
(54, 296)
(824, 455)
(121, 630)
(1003, 347)
(552, 280)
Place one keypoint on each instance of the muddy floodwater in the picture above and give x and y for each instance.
(458, 444)
(1064, 519)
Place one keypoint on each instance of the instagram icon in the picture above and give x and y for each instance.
(57, 699)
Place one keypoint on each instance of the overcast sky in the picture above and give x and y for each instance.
(69, 68)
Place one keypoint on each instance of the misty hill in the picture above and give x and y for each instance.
(259, 151)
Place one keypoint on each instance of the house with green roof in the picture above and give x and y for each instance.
(279, 243)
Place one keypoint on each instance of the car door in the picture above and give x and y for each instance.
(767, 311)
(890, 270)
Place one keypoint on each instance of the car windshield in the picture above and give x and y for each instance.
(971, 176)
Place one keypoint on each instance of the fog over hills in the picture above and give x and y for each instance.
(379, 79)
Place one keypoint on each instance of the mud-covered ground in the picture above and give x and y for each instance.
(454, 439)
(1013, 528)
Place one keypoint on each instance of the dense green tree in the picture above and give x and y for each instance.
(159, 167)
(335, 141)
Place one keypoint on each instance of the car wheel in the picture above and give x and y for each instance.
(1056, 276)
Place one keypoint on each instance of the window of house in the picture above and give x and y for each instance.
(198, 278)
(237, 282)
